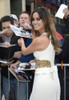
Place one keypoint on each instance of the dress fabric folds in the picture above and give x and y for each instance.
(46, 84)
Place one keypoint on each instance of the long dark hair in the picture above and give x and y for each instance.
(46, 17)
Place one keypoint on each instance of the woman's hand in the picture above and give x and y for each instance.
(20, 42)
(31, 61)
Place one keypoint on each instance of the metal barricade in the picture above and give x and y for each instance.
(19, 80)
(64, 65)
(0, 83)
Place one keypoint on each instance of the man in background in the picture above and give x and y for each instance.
(8, 38)
(24, 21)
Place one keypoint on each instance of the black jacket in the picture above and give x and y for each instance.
(8, 53)
(64, 55)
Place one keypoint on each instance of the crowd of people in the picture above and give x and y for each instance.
(46, 48)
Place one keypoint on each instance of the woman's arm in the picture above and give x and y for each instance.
(38, 44)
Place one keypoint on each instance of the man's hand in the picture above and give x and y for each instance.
(6, 64)
(66, 12)
(17, 54)
(15, 64)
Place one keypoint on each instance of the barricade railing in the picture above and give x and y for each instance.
(64, 65)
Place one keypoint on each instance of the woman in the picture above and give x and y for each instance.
(46, 83)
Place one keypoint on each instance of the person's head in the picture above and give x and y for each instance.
(24, 18)
(42, 21)
(5, 24)
(15, 19)
(66, 12)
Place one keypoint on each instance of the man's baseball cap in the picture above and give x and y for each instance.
(14, 16)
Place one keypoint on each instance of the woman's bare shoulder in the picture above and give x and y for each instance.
(41, 39)
(42, 42)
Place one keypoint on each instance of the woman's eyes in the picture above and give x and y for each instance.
(37, 19)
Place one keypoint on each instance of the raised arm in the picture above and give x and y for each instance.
(38, 44)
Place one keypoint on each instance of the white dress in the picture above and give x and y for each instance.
(46, 84)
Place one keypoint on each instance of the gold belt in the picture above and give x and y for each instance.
(42, 63)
